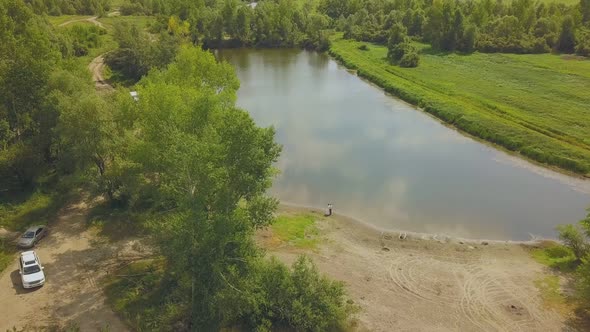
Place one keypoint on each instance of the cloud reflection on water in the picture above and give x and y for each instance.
(377, 158)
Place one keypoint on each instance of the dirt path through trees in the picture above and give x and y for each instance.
(92, 20)
(96, 66)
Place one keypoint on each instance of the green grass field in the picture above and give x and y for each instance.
(536, 105)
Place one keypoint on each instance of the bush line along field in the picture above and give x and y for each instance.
(531, 104)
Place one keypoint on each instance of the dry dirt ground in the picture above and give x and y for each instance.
(92, 20)
(427, 285)
(96, 67)
(75, 258)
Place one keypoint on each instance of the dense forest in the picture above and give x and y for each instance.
(69, 7)
(521, 26)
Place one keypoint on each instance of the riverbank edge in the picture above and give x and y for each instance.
(466, 128)
(368, 228)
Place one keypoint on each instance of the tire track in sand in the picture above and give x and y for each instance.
(487, 299)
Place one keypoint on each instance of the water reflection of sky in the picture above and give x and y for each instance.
(378, 159)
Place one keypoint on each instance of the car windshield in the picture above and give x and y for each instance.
(32, 269)
(29, 235)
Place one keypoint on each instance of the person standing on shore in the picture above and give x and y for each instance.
(329, 212)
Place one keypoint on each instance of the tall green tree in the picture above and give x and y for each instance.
(243, 19)
(398, 38)
(567, 36)
(585, 8)
(208, 159)
(27, 56)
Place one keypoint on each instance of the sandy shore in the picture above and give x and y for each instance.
(426, 283)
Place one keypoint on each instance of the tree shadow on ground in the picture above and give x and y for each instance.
(116, 223)
(580, 321)
(75, 279)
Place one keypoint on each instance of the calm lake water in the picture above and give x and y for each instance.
(386, 163)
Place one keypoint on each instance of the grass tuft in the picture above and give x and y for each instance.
(556, 256)
(552, 296)
(297, 230)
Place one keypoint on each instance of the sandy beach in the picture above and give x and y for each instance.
(424, 284)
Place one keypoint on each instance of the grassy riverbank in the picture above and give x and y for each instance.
(531, 104)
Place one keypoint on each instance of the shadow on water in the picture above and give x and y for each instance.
(320, 61)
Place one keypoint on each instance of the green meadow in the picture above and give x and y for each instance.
(535, 105)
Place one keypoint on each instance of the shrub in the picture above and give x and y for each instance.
(363, 47)
(298, 299)
(583, 45)
(85, 37)
(539, 45)
(573, 239)
(131, 9)
(583, 285)
(410, 60)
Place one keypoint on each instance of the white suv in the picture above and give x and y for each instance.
(31, 271)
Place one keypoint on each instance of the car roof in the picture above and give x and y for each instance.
(34, 228)
(28, 256)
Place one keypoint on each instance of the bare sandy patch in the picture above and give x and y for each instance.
(415, 284)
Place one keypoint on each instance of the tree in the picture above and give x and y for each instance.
(468, 39)
(398, 39)
(136, 54)
(454, 29)
(400, 50)
(177, 27)
(567, 36)
(209, 160)
(410, 59)
(243, 18)
(27, 56)
(583, 45)
(228, 14)
(571, 237)
(88, 136)
(585, 8)
(547, 29)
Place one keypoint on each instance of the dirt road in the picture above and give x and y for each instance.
(92, 20)
(96, 67)
(428, 285)
(75, 260)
